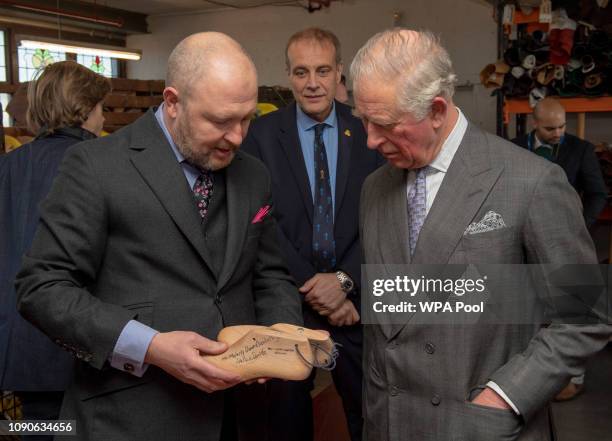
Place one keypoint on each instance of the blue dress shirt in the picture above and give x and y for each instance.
(305, 126)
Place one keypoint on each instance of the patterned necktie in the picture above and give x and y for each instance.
(323, 244)
(202, 191)
(417, 206)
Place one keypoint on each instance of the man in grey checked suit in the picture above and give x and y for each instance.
(452, 193)
(150, 242)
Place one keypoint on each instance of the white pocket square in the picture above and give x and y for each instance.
(491, 221)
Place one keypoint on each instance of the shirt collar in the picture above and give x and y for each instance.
(188, 169)
(536, 141)
(305, 122)
(159, 115)
(451, 144)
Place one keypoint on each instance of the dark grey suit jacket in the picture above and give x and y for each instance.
(418, 378)
(274, 139)
(578, 159)
(120, 238)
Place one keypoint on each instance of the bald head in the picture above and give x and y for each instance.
(549, 121)
(546, 107)
(209, 99)
(208, 56)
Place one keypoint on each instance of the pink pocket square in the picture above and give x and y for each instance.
(261, 214)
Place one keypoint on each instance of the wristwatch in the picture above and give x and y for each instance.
(346, 283)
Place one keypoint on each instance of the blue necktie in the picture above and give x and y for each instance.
(323, 244)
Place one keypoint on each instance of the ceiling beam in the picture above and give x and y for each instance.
(83, 13)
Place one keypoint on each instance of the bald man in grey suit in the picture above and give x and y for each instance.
(151, 241)
(453, 194)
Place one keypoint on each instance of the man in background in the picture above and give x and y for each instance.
(575, 156)
(578, 159)
(316, 153)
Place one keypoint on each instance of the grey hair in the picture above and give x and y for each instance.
(417, 63)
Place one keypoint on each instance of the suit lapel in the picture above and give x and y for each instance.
(152, 156)
(393, 243)
(290, 142)
(468, 181)
(345, 144)
(392, 235)
(563, 154)
(238, 208)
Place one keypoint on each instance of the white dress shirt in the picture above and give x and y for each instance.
(441, 163)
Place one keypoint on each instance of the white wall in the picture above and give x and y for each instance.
(466, 27)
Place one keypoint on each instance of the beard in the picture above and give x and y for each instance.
(201, 158)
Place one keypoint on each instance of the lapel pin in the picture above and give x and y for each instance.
(347, 132)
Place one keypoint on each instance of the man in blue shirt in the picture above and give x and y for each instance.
(316, 153)
(150, 242)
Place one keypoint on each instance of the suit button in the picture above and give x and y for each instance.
(128, 367)
(393, 345)
(218, 299)
(435, 400)
(394, 391)
(430, 348)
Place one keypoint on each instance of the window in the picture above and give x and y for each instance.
(6, 118)
(106, 66)
(33, 60)
(3, 74)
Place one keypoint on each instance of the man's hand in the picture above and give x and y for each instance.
(323, 293)
(345, 315)
(179, 353)
(489, 398)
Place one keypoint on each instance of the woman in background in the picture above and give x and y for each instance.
(65, 107)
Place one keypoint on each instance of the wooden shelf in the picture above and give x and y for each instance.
(520, 18)
(580, 106)
(571, 105)
(531, 20)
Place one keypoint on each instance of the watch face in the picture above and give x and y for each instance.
(346, 284)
